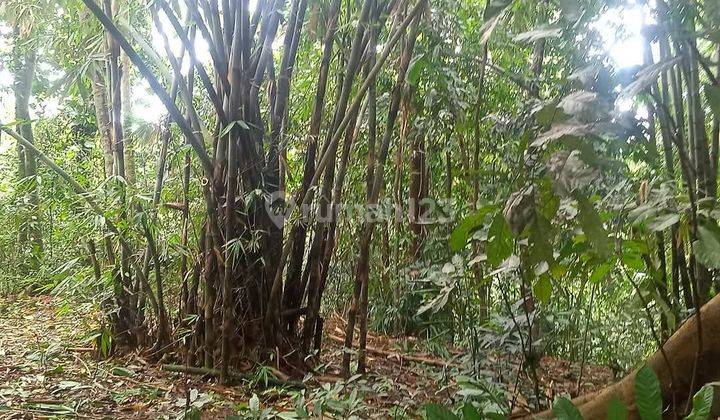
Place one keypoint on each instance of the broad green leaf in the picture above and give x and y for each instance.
(500, 241)
(565, 410)
(193, 414)
(491, 17)
(616, 410)
(542, 289)
(416, 68)
(600, 272)
(712, 93)
(592, 226)
(439, 412)
(541, 235)
(461, 234)
(470, 412)
(548, 201)
(707, 247)
(702, 403)
(634, 260)
(647, 394)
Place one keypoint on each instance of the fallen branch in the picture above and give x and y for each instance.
(234, 377)
(400, 357)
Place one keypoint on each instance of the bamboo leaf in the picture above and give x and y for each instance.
(539, 33)
(542, 289)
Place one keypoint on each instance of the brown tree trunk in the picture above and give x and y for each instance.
(372, 139)
(680, 350)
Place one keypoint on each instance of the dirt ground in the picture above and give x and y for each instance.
(49, 368)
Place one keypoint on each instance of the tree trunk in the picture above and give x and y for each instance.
(417, 187)
(294, 285)
(362, 271)
(128, 145)
(30, 229)
(680, 350)
(103, 118)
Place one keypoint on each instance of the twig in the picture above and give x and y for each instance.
(587, 325)
(401, 357)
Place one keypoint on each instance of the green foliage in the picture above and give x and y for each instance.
(647, 400)
(565, 410)
(712, 94)
(647, 394)
(707, 246)
(500, 242)
(461, 234)
(616, 410)
(702, 403)
(579, 189)
(439, 412)
(593, 227)
(469, 412)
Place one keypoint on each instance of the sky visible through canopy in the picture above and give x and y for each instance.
(619, 27)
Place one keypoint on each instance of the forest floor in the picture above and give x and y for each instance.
(49, 369)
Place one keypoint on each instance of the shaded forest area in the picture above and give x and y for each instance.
(441, 209)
